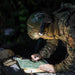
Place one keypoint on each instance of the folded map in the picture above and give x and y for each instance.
(30, 66)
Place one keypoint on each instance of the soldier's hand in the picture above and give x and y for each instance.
(35, 57)
(47, 67)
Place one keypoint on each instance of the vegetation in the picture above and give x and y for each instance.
(14, 14)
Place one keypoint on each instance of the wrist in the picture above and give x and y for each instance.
(38, 55)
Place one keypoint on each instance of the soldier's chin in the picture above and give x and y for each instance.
(35, 38)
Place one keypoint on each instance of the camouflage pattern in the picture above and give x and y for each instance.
(67, 35)
(35, 21)
(64, 29)
(49, 48)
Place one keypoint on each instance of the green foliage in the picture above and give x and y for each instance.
(22, 18)
(13, 15)
(22, 30)
(8, 42)
(22, 25)
(22, 12)
(19, 2)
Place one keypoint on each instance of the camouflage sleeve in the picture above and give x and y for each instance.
(69, 62)
(48, 49)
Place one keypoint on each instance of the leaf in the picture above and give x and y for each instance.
(19, 2)
(21, 12)
(8, 42)
(22, 30)
(22, 25)
(22, 18)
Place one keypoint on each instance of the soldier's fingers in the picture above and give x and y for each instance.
(35, 58)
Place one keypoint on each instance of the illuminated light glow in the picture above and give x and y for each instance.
(40, 34)
(36, 35)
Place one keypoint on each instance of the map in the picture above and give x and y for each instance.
(26, 63)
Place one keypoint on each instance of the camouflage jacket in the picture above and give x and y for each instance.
(67, 35)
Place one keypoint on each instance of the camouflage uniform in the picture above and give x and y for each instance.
(64, 29)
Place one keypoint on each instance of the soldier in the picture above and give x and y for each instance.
(61, 26)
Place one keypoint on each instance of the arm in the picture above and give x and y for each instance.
(49, 48)
(45, 52)
(69, 62)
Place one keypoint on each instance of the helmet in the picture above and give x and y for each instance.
(35, 24)
(71, 20)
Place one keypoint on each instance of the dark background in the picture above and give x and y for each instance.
(14, 15)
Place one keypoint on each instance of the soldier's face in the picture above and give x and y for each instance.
(34, 34)
(47, 37)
